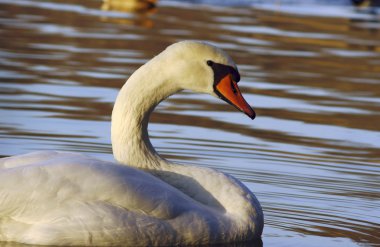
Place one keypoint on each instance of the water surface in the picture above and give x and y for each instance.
(312, 73)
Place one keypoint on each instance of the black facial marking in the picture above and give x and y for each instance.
(221, 70)
(233, 88)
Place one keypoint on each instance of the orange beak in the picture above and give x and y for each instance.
(228, 90)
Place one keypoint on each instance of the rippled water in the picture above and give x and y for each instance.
(312, 156)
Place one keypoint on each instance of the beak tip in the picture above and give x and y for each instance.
(251, 114)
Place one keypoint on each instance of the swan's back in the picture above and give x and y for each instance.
(68, 198)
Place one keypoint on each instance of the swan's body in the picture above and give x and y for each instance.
(60, 198)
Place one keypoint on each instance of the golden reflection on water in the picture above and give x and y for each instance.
(141, 6)
(143, 10)
(312, 156)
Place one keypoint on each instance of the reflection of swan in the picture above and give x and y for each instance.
(129, 5)
(62, 198)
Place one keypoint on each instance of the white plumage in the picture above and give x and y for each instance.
(62, 198)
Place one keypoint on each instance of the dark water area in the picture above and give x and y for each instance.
(310, 70)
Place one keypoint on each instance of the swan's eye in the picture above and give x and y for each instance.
(210, 63)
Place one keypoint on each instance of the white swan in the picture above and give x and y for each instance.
(62, 198)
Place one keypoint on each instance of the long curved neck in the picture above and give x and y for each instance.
(142, 92)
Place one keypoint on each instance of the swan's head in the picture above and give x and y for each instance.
(204, 68)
